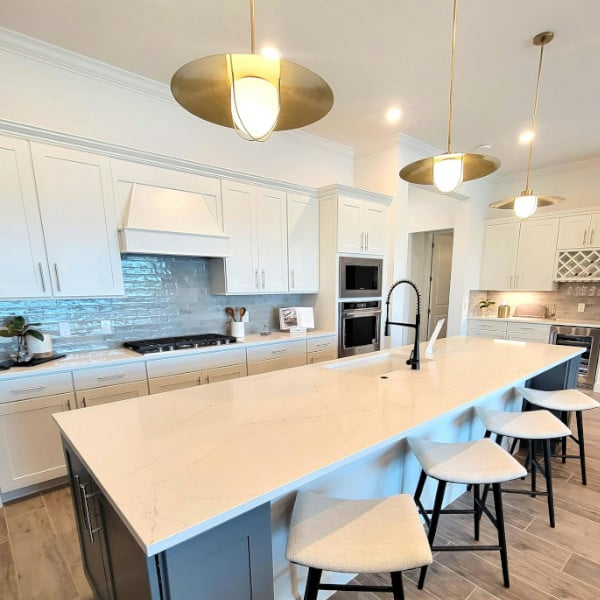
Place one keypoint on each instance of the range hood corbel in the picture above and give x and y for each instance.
(172, 222)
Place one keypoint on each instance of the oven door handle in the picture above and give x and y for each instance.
(357, 314)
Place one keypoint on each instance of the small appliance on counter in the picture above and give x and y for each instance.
(503, 310)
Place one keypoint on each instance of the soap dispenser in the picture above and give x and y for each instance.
(503, 310)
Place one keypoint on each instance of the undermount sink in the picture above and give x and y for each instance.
(374, 365)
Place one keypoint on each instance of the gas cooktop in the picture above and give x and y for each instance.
(182, 342)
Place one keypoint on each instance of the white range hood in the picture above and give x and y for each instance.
(167, 221)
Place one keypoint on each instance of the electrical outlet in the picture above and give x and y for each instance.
(581, 307)
(64, 329)
(106, 326)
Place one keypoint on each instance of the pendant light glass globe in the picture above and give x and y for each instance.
(525, 205)
(254, 107)
(448, 172)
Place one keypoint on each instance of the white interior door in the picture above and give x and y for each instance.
(439, 290)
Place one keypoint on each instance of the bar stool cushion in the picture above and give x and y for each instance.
(477, 462)
(529, 425)
(564, 400)
(357, 536)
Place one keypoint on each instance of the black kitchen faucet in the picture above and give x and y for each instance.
(413, 361)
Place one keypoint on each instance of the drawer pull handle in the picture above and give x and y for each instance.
(320, 345)
(107, 377)
(278, 351)
(34, 388)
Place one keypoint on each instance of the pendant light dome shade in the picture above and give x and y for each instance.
(250, 93)
(447, 171)
(526, 203)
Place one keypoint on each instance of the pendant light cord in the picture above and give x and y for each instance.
(535, 106)
(451, 103)
(252, 33)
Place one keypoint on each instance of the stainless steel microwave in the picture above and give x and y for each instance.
(360, 277)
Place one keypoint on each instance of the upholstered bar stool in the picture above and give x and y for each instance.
(477, 463)
(531, 426)
(356, 536)
(565, 402)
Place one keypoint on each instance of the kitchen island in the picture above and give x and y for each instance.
(181, 486)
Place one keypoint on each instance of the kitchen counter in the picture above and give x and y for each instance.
(558, 321)
(176, 464)
(83, 360)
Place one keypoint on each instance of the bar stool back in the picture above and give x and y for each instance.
(356, 536)
(565, 402)
(477, 463)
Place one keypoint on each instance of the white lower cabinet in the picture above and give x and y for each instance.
(487, 328)
(100, 385)
(528, 332)
(272, 357)
(177, 372)
(321, 349)
(321, 356)
(30, 447)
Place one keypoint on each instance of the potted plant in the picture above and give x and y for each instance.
(484, 306)
(19, 328)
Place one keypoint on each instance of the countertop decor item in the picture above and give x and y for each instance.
(503, 310)
(252, 93)
(526, 203)
(19, 328)
(447, 171)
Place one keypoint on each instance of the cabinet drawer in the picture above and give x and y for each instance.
(321, 356)
(318, 344)
(533, 332)
(224, 373)
(276, 350)
(265, 366)
(100, 376)
(111, 393)
(195, 362)
(168, 383)
(35, 387)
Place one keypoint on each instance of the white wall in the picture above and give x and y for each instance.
(56, 90)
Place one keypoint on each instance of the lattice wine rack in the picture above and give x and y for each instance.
(578, 265)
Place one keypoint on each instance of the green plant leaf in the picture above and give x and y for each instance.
(36, 334)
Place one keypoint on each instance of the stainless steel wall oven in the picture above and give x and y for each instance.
(360, 327)
(582, 337)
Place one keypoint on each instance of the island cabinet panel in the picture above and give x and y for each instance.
(229, 562)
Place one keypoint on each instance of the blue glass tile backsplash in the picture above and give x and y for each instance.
(164, 296)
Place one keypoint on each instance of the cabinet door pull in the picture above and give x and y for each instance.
(591, 240)
(41, 269)
(362, 239)
(263, 279)
(584, 236)
(516, 280)
(83, 402)
(34, 388)
(293, 280)
(87, 518)
(57, 277)
(367, 241)
(256, 283)
(208, 378)
(107, 377)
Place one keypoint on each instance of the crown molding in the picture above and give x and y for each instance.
(338, 189)
(37, 50)
(305, 138)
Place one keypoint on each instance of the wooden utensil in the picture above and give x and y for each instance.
(242, 313)
(229, 312)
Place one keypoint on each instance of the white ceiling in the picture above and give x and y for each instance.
(373, 54)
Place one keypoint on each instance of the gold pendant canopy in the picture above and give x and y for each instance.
(475, 166)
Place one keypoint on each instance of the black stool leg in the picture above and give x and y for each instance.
(435, 517)
(312, 584)
(563, 418)
(417, 496)
(531, 445)
(501, 533)
(476, 510)
(579, 416)
(548, 473)
(397, 586)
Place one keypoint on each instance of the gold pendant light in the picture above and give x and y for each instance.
(253, 94)
(526, 203)
(447, 171)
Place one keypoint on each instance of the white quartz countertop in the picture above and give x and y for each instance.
(178, 463)
(567, 322)
(101, 358)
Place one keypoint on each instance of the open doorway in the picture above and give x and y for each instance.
(430, 269)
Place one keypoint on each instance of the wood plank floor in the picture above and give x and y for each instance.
(40, 557)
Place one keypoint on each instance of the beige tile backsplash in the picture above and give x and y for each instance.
(566, 298)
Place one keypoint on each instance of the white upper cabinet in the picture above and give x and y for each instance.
(76, 204)
(254, 218)
(24, 269)
(519, 256)
(303, 242)
(579, 231)
(361, 227)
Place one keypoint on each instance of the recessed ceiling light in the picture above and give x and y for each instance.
(271, 52)
(393, 114)
(526, 137)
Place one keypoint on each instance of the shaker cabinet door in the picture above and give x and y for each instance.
(303, 243)
(78, 215)
(24, 268)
